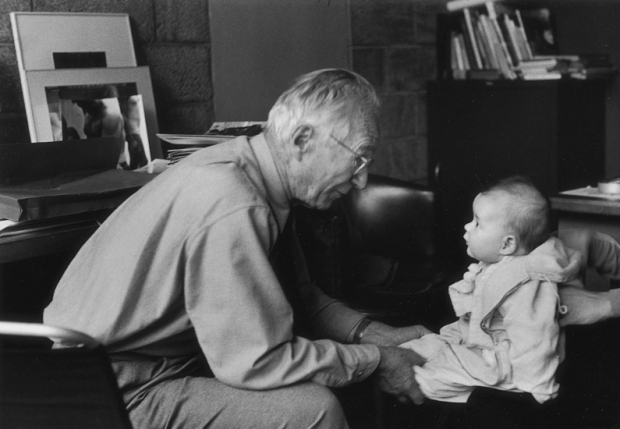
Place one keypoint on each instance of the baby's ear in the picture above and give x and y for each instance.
(510, 245)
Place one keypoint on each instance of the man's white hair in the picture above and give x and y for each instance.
(329, 90)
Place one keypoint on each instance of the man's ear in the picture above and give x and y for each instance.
(509, 245)
(301, 136)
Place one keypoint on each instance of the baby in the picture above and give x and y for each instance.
(507, 336)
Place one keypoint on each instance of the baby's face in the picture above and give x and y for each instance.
(484, 235)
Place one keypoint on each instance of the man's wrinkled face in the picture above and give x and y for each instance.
(340, 163)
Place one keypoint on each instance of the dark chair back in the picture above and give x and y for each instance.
(377, 249)
(394, 218)
(66, 388)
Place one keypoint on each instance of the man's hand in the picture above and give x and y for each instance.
(584, 307)
(395, 373)
(381, 334)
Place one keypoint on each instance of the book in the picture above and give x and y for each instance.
(455, 5)
(454, 61)
(595, 73)
(512, 38)
(498, 32)
(485, 55)
(542, 76)
(460, 39)
(459, 63)
(533, 70)
(487, 43)
(523, 36)
(520, 40)
(471, 36)
(538, 62)
(495, 46)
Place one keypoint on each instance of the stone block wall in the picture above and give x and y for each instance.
(392, 46)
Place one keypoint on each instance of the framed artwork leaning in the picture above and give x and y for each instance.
(55, 40)
(67, 104)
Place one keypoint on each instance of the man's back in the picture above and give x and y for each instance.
(126, 286)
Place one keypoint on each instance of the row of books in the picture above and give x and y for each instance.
(491, 41)
(481, 45)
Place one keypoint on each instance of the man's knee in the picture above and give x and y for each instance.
(320, 408)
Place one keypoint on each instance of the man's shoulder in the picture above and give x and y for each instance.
(218, 183)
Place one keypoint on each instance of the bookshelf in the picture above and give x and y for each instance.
(481, 39)
(491, 122)
(480, 131)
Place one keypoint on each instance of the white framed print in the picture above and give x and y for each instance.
(55, 40)
(71, 104)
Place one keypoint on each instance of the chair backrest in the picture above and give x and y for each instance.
(394, 218)
(57, 388)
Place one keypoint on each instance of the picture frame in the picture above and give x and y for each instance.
(61, 32)
(40, 85)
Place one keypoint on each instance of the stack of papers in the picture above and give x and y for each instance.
(180, 146)
(590, 192)
(202, 140)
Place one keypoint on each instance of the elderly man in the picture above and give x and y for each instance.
(179, 283)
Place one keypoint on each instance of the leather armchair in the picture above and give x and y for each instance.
(379, 250)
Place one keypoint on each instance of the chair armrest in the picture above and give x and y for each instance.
(63, 336)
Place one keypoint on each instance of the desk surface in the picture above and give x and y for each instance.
(596, 214)
(597, 206)
(44, 238)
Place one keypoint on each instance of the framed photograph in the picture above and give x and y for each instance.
(72, 40)
(69, 104)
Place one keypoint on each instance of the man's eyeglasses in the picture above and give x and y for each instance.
(361, 161)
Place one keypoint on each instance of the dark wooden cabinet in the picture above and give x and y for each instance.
(481, 131)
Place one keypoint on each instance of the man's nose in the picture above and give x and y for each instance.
(360, 179)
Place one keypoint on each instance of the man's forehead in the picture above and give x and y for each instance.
(368, 137)
(366, 146)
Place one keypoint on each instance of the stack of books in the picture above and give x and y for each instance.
(538, 68)
(486, 41)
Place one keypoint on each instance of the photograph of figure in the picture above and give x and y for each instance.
(82, 112)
